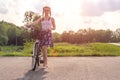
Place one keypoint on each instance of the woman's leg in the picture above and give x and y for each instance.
(44, 51)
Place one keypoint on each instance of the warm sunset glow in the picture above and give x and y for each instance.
(95, 1)
(66, 6)
(69, 14)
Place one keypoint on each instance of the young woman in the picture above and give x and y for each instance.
(47, 23)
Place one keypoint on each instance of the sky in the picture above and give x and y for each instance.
(68, 14)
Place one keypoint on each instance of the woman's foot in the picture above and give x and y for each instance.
(45, 66)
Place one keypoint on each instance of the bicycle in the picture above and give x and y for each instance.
(37, 51)
(36, 56)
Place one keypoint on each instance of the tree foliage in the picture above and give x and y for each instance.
(11, 34)
(90, 35)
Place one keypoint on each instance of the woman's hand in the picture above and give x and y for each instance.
(53, 28)
(28, 25)
(50, 29)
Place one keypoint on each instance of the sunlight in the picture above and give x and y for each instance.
(111, 18)
(67, 13)
(66, 6)
(94, 1)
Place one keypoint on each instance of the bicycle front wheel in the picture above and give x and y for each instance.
(35, 57)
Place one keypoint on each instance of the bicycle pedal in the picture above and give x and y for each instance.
(41, 61)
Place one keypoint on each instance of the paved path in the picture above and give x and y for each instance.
(61, 68)
(118, 44)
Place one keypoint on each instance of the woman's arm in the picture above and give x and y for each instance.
(33, 23)
(53, 23)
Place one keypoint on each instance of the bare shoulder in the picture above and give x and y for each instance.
(52, 19)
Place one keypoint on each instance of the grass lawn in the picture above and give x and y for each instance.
(65, 49)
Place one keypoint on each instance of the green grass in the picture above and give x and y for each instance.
(66, 49)
(12, 51)
(90, 49)
(14, 54)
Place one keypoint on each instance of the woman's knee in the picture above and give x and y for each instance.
(44, 49)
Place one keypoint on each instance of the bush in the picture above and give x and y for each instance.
(28, 46)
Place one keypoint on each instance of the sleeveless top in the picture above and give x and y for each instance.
(46, 24)
(47, 37)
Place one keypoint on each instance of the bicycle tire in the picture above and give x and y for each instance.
(34, 67)
(35, 57)
(36, 64)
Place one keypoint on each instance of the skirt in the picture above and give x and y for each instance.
(46, 38)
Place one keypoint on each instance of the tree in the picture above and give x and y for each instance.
(116, 35)
(3, 36)
(12, 36)
(108, 35)
(28, 17)
(56, 37)
(64, 37)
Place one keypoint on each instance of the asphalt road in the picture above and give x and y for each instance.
(61, 68)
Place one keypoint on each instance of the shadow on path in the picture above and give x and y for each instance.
(34, 75)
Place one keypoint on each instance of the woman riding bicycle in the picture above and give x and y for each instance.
(47, 23)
